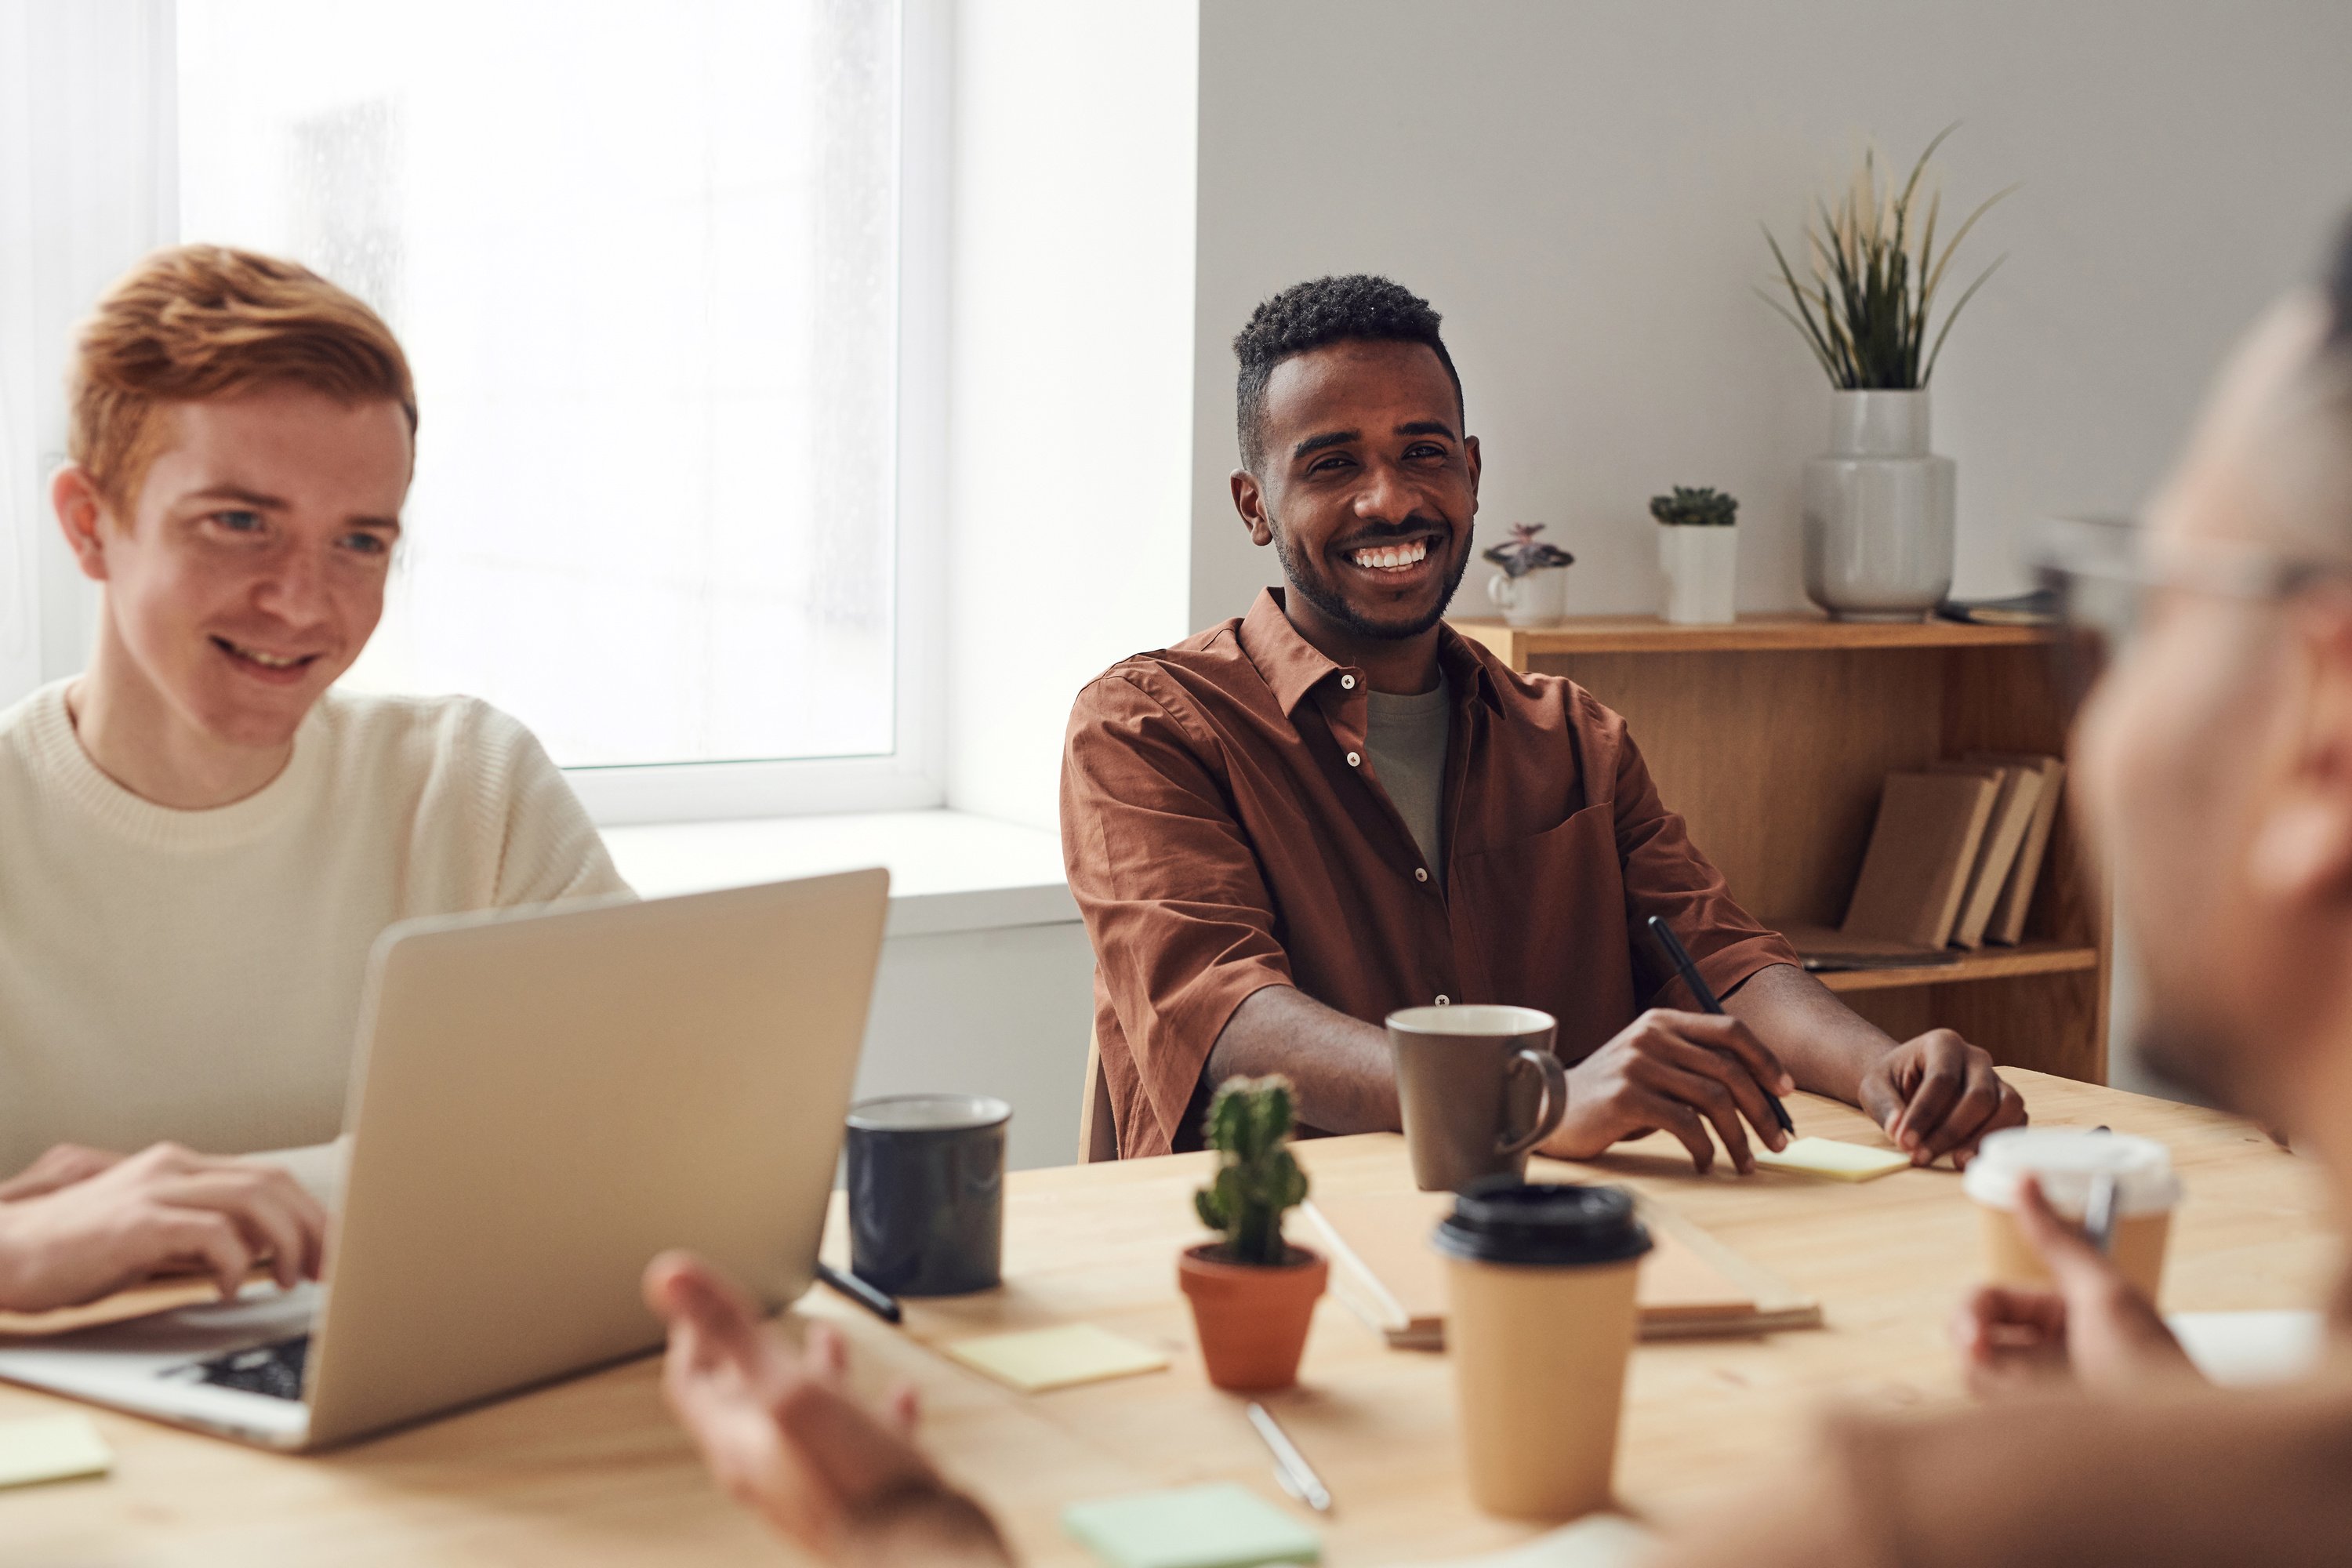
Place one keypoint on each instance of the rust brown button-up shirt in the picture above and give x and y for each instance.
(1224, 831)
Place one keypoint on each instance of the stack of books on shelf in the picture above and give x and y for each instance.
(1952, 864)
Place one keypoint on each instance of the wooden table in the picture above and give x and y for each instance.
(592, 1471)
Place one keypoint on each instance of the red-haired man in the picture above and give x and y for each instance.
(201, 838)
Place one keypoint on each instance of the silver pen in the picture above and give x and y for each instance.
(1290, 1466)
(2099, 1212)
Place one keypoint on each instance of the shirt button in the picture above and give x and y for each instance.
(1354, 761)
(1347, 683)
(1443, 1000)
(1420, 873)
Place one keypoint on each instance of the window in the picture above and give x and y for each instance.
(648, 266)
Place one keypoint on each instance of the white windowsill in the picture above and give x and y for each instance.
(949, 870)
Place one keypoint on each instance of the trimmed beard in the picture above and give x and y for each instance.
(1320, 593)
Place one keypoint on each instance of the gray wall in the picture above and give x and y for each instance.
(1004, 1012)
(1578, 188)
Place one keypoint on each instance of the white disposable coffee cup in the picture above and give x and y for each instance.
(2067, 1161)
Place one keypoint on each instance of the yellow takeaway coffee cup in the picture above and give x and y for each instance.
(1541, 1320)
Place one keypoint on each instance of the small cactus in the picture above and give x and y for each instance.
(1257, 1180)
(1700, 507)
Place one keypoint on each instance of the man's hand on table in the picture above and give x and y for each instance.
(1938, 1095)
(1685, 1072)
(783, 1435)
(80, 1224)
(1935, 1095)
(2093, 1326)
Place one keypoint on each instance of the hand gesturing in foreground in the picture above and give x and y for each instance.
(784, 1436)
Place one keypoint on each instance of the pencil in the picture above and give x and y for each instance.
(1679, 956)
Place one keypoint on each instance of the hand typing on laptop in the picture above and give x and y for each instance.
(78, 1224)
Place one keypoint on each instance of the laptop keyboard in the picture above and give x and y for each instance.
(275, 1370)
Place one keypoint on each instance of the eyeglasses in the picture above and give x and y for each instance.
(2101, 572)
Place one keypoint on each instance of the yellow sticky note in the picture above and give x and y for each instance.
(1828, 1157)
(51, 1449)
(1041, 1358)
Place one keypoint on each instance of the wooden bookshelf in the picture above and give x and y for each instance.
(1772, 736)
(1750, 634)
(1986, 964)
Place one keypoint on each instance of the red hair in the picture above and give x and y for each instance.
(198, 322)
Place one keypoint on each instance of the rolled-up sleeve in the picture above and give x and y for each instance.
(1182, 925)
(1665, 875)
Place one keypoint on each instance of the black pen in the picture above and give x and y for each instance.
(1679, 955)
(875, 1301)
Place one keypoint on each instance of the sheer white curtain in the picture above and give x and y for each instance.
(645, 263)
(85, 189)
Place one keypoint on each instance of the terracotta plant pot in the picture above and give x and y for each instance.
(1251, 1321)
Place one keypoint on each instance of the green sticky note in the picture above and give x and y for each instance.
(1217, 1526)
(1828, 1157)
(51, 1449)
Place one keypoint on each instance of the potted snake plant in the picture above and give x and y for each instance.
(1253, 1293)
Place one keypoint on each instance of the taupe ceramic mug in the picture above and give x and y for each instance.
(1455, 1067)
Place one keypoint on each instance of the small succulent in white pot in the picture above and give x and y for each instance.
(1698, 550)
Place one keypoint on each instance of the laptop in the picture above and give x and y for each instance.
(542, 1102)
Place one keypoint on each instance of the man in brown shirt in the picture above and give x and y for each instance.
(1275, 847)
(2216, 757)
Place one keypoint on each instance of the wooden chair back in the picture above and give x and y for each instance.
(1097, 1138)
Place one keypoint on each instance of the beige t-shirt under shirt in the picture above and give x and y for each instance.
(196, 975)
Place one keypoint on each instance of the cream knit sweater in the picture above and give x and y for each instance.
(195, 975)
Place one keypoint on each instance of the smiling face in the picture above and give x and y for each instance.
(1368, 493)
(250, 569)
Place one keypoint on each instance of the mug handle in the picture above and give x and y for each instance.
(1503, 591)
(1549, 1112)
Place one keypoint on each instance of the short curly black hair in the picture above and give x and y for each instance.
(1312, 315)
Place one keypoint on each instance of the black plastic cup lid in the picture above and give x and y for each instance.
(1545, 1225)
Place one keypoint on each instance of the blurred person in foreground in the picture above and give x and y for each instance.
(2216, 766)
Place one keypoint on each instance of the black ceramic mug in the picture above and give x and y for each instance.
(927, 1193)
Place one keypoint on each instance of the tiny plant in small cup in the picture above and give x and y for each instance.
(1530, 592)
(1253, 1293)
(1523, 553)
